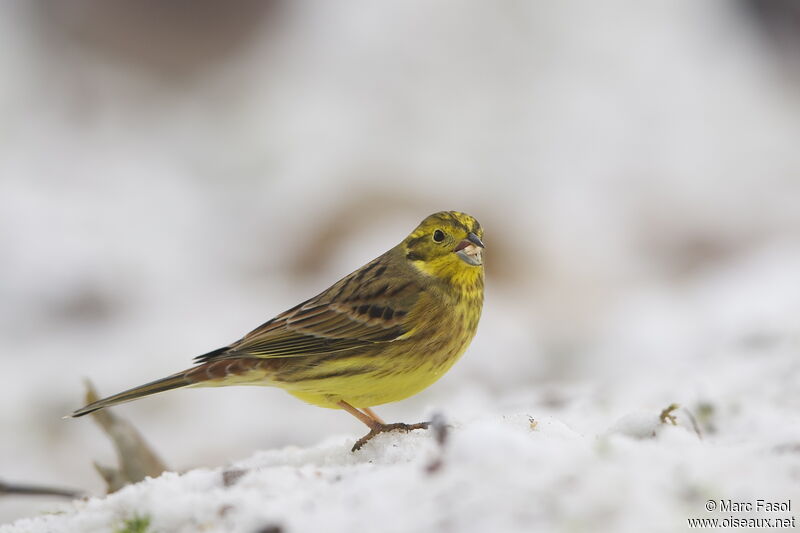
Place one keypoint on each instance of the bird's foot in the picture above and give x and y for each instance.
(385, 428)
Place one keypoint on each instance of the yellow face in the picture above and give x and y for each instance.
(447, 245)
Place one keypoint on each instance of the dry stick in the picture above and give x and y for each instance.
(137, 460)
(37, 490)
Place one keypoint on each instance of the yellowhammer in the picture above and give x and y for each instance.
(379, 335)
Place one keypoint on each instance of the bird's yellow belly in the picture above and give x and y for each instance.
(377, 387)
(364, 390)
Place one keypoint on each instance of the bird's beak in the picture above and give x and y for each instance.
(469, 250)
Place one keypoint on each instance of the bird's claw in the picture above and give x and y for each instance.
(385, 428)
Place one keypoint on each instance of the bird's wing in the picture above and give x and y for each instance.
(368, 306)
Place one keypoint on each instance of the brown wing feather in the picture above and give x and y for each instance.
(368, 306)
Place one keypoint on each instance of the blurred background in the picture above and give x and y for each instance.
(172, 174)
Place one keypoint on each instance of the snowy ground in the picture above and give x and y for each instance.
(635, 166)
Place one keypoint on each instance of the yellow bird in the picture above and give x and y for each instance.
(379, 335)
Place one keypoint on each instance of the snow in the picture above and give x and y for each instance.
(503, 473)
(635, 166)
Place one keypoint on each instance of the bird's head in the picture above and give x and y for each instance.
(447, 245)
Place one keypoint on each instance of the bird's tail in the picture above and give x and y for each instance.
(175, 381)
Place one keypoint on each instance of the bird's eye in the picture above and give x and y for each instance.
(438, 236)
